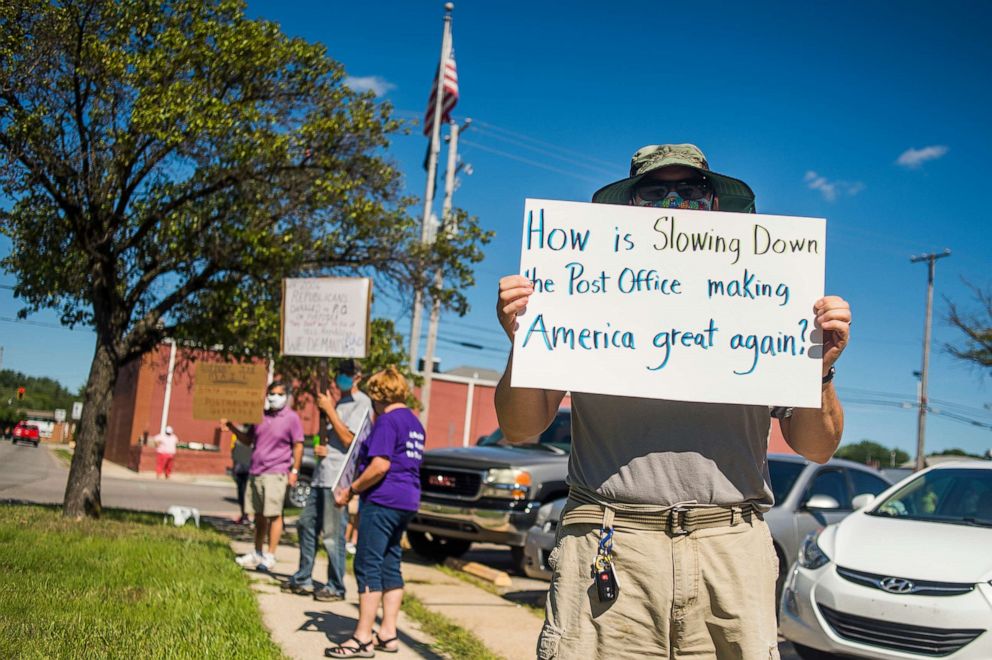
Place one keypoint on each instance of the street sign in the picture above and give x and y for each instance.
(60, 415)
(77, 410)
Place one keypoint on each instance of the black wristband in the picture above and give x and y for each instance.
(352, 490)
(829, 377)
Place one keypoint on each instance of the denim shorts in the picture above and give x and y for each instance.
(377, 559)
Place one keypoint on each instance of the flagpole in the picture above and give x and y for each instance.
(431, 174)
(446, 226)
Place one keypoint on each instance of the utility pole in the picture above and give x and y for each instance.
(446, 226)
(435, 150)
(921, 426)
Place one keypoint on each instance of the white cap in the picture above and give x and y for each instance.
(168, 429)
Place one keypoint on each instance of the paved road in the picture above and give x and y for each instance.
(38, 475)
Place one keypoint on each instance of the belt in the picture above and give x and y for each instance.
(678, 519)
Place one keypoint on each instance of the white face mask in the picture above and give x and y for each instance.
(276, 401)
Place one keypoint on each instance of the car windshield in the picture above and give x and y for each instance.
(557, 436)
(783, 475)
(959, 496)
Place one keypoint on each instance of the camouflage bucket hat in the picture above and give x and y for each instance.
(734, 194)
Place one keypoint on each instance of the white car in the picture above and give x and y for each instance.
(909, 576)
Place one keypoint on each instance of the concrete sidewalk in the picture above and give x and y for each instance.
(303, 627)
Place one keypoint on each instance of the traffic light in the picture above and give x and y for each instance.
(20, 393)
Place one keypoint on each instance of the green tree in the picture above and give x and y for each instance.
(40, 393)
(168, 162)
(871, 453)
(976, 345)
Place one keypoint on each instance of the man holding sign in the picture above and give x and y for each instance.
(662, 548)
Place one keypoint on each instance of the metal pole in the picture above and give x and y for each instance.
(446, 226)
(431, 174)
(922, 418)
(167, 400)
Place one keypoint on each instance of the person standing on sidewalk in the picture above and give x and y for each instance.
(388, 483)
(666, 497)
(277, 451)
(165, 452)
(345, 407)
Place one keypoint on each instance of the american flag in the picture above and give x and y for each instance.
(450, 95)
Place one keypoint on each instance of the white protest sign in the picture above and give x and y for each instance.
(326, 316)
(671, 304)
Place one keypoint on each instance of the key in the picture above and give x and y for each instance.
(606, 583)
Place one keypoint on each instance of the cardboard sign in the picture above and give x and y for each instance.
(671, 304)
(232, 391)
(326, 316)
(349, 469)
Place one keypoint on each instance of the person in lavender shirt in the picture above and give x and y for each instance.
(277, 451)
(388, 484)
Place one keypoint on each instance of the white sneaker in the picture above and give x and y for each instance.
(249, 560)
(268, 562)
(350, 548)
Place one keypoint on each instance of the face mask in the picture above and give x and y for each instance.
(674, 201)
(276, 401)
(345, 383)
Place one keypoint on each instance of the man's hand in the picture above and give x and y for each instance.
(328, 401)
(293, 478)
(514, 292)
(833, 317)
(342, 496)
(320, 450)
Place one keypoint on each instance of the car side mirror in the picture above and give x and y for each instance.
(862, 501)
(822, 502)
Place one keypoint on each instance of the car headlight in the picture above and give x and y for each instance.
(811, 555)
(507, 483)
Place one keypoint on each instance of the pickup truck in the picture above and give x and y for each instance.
(489, 493)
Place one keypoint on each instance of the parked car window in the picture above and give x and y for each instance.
(832, 483)
(866, 482)
(783, 475)
(950, 495)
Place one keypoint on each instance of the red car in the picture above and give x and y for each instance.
(25, 432)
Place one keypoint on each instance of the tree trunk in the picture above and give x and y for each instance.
(82, 492)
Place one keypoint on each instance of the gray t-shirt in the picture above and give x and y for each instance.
(649, 451)
(351, 409)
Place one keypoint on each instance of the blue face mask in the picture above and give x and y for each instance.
(344, 383)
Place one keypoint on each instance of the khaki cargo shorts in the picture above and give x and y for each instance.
(708, 594)
(268, 494)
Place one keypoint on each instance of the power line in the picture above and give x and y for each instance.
(571, 161)
(42, 324)
(535, 163)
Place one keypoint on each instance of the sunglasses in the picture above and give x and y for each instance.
(651, 191)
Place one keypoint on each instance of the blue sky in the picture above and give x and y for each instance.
(813, 104)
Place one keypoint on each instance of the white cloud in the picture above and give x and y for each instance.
(831, 190)
(376, 84)
(914, 158)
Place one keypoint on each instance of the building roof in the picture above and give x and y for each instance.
(479, 373)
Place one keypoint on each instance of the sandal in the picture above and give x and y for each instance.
(358, 651)
(380, 644)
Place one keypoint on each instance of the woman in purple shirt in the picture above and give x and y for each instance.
(388, 483)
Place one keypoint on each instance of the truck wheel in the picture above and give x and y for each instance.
(519, 559)
(296, 496)
(807, 653)
(436, 548)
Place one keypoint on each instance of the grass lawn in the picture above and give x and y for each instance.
(124, 586)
